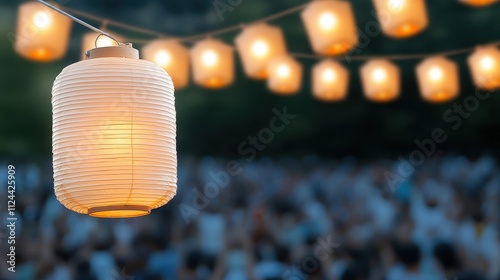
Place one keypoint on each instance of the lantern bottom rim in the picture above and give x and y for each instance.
(119, 211)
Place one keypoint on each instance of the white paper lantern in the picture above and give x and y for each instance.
(402, 18)
(330, 26)
(257, 45)
(381, 80)
(213, 64)
(42, 34)
(484, 64)
(438, 79)
(285, 75)
(171, 56)
(330, 81)
(114, 147)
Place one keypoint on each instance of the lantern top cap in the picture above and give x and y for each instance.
(125, 50)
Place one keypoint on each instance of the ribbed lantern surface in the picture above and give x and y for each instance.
(114, 137)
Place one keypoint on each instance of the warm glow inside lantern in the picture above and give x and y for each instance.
(478, 3)
(257, 45)
(438, 79)
(484, 64)
(92, 40)
(330, 81)
(42, 34)
(114, 135)
(381, 80)
(212, 63)
(402, 18)
(285, 75)
(330, 26)
(171, 56)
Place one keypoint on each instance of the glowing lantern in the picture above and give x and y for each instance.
(285, 75)
(213, 64)
(42, 34)
(330, 81)
(171, 56)
(438, 79)
(402, 18)
(381, 80)
(114, 147)
(89, 41)
(330, 26)
(478, 3)
(485, 67)
(257, 45)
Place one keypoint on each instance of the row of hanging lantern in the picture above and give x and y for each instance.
(331, 30)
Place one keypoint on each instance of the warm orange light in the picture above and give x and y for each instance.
(435, 74)
(41, 33)
(212, 63)
(327, 21)
(163, 58)
(478, 3)
(257, 45)
(41, 19)
(260, 48)
(381, 80)
(330, 81)
(330, 27)
(438, 79)
(484, 64)
(402, 18)
(209, 58)
(172, 56)
(285, 75)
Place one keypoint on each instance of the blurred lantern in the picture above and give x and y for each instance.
(42, 34)
(330, 27)
(330, 81)
(478, 3)
(258, 44)
(381, 80)
(285, 75)
(438, 79)
(90, 41)
(213, 64)
(402, 18)
(114, 147)
(171, 56)
(484, 64)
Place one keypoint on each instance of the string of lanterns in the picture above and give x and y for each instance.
(43, 35)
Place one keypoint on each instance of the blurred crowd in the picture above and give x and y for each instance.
(285, 218)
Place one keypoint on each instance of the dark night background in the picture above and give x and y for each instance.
(215, 122)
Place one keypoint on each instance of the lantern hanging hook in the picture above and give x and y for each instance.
(80, 22)
(107, 35)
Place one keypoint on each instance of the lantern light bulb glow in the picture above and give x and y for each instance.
(41, 19)
(435, 74)
(283, 71)
(396, 5)
(379, 75)
(487, 63)
(260, 48)
(329, 75)
(209, 58)
(163, 58)
(327, 21)
(105, 42)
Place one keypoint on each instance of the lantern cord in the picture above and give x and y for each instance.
(78, 21)
(192, 38)
(347, 57)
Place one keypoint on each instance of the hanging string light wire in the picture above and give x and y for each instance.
(237, 27)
